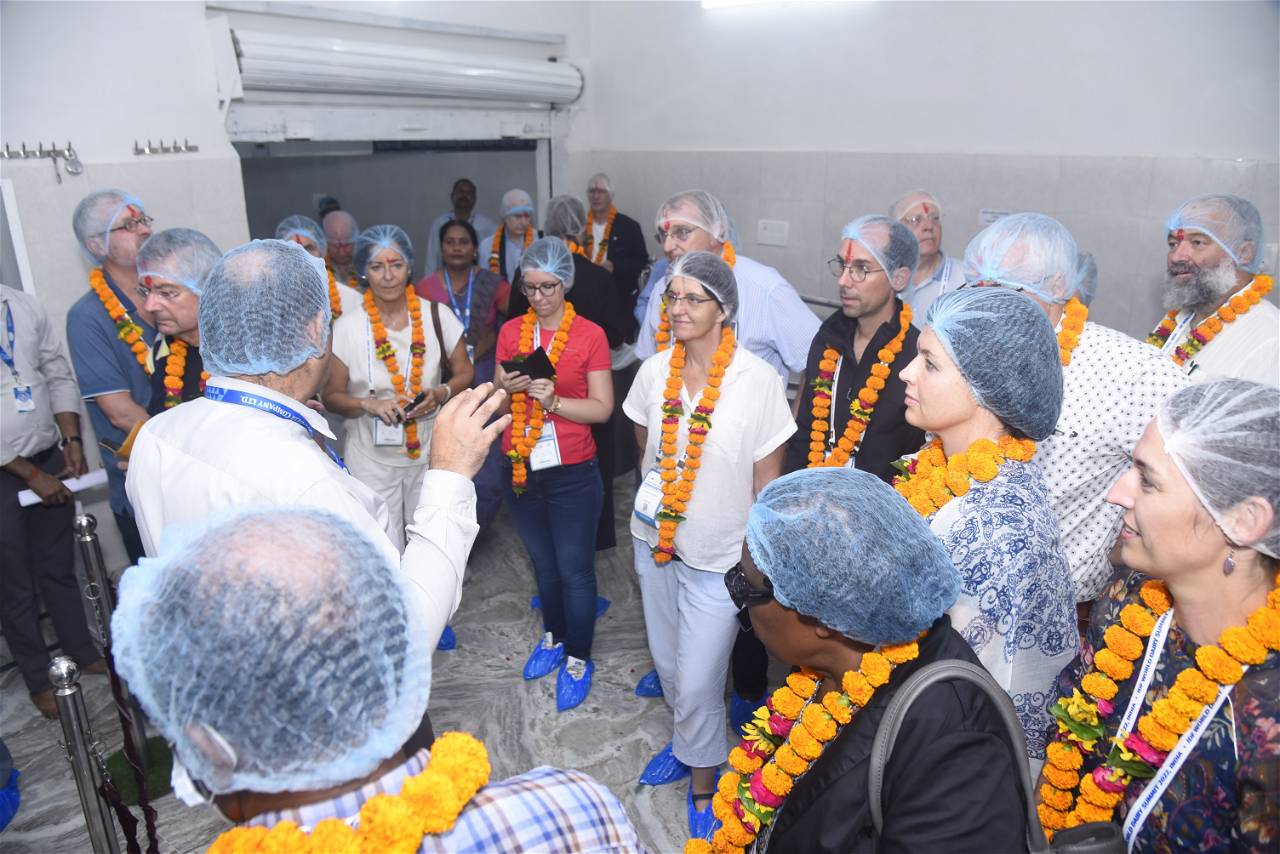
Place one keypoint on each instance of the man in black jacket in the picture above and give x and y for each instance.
(614, 241)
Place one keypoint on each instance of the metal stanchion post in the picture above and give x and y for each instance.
(84, 754)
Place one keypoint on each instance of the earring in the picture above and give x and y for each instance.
(1229, 565)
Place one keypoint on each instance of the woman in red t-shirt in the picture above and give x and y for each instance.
(556, 492)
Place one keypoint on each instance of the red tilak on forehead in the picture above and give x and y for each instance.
(146, 280)
(296, 238)
(1179, 235)
(132, 211)
(666, 225)
(925, 205)
(848, 253)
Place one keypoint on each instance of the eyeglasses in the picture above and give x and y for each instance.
(690, 300)
(857, 270)
(680, 233)
(991, 283)
(545, 289)
(913, 221)
(741, 591)
(168, 293)
(133, 223)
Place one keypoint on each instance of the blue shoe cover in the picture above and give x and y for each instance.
(448, 640)
(571, 692)
(664, 768)
(543, 659)
(602, 605)
(10, 797)
(535, 602)
(741, 711)
(649, 685)
(701, 823)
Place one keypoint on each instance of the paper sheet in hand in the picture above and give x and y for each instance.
(97, 477)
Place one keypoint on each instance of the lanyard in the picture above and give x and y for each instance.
(271, 407)
(464, 316)
(6, 356)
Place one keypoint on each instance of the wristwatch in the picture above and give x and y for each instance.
(555, 407)
(69, 439)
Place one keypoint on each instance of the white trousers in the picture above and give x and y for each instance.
(399, 486)
(691, 624)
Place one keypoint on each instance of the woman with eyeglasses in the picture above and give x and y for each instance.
(385, 374)
(843, 580)
(987, 384)
(556, 493)
(712, 421)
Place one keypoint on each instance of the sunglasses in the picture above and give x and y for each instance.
(741, 591)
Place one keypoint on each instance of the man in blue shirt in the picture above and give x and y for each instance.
(104, 330)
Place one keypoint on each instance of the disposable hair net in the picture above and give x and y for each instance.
(566, 217)
(264, 309)
(339, 223)
(1006, 350)
(376, 238)
(1224, 436)
(549, 255)
(842, 547)
(97, 213)
(890, 242)
(302, 226)
(181, 255)
(603, 180)
(1086, 277)
(697, 208)
(1230, 221)
(710, 271)
(516, 202)
(277, 649)
(909, 200)
(1025, 251)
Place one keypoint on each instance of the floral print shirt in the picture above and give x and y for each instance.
(1226, 796)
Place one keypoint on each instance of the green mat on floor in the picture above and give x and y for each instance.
(158, 764)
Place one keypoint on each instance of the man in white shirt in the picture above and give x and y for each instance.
(253, 440)
(937, 273)
(340, 230)
(1219, 323)
(1112, 387)
(773, 322)
(463, 199)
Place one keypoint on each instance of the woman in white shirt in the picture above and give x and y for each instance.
(712, 420)
(386, 355)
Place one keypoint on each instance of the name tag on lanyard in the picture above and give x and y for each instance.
(649, 498)
(546, 453)
(387, 435)
(22, 398)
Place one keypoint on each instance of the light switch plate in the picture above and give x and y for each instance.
(772, 232)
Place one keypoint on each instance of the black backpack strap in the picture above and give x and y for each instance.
(887, 734)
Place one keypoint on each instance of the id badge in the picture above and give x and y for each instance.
(545, 454)
(22, 397)
(649, 498)
(387, 435)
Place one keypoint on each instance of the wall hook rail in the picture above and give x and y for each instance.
(66, 153)
(160, 148)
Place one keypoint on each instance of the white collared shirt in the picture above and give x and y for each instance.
(42, 366)
(1246, 349)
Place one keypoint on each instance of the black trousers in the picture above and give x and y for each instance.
(37, 556)
(130, 536)
(749, 662)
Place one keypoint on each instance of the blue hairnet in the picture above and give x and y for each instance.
(376, 238)
(1024, 251)
(549, 255)
(516, 202)
(842, 547)
(890, 242)
(710, 271)
(303, 226)
(1006, 350)
(277, 649)
(566, 217)
(181, 255)
(699, 209)
(97, 213)
(1086, 277)
(258, 313)
(1230, 221)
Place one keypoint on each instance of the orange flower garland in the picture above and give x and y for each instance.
(786, 735)
(860, 409)
(174, 368)
(126, 329)
(1074, 314)
(335, 299)
(663, 336)
(932, 479)
(1069, 799)
(495, 248)
(1209, 328)
(526, 410)
(428, 803)
(677, 486)
(575, 248)
(603, 249)
(387, 353)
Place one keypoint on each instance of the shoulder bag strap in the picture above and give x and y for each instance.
(887, 734)
(446, 373)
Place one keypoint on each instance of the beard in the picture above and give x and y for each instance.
(1204, 289)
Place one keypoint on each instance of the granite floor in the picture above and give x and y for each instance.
(477, 688)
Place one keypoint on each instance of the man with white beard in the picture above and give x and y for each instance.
(1219, 324)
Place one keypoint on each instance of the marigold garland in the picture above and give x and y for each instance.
(495, 248)
(335, 298)
(387, 353)
(127, 330)
(1068, 799)
(785, 736)
(677, 486)
(1074, 314)
(174, 369)
(428, 803)
(1208, 329)
(662, 338)
(861, 407)
(597, 257)
(527, 416)
(932, 479)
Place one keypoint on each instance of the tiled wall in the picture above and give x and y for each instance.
(1115, 206)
